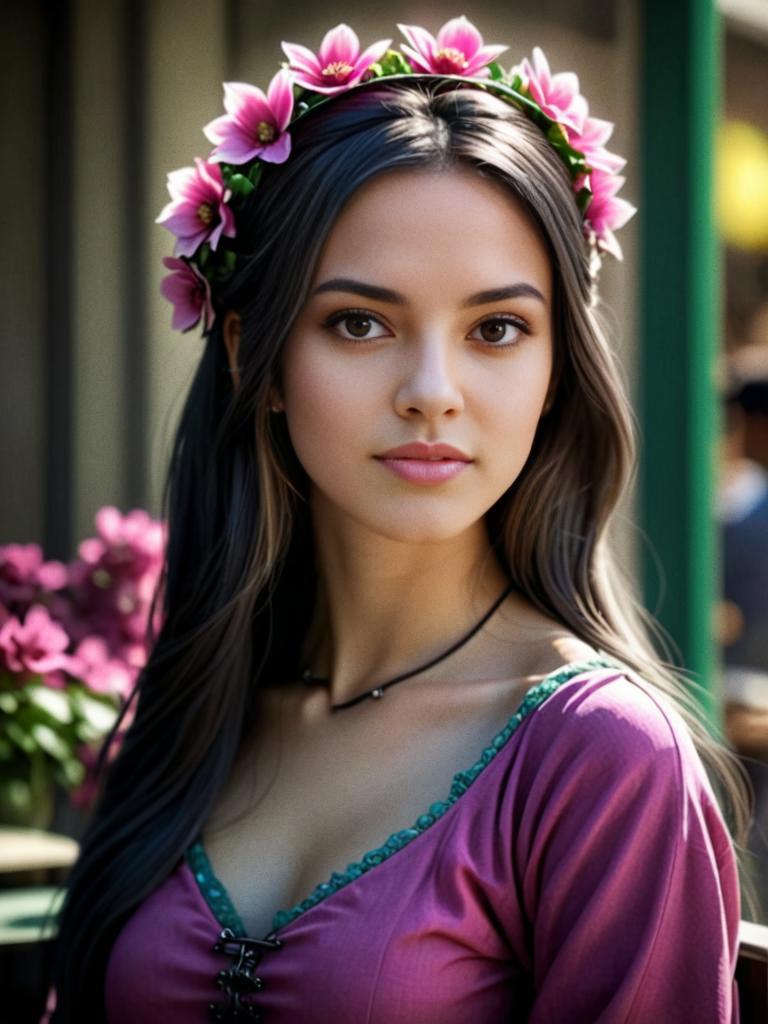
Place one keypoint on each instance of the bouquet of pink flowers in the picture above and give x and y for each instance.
(72, 643)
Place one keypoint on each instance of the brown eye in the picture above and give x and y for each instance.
(354, 325)
(357, 325)
(495, 333)
(493, 330)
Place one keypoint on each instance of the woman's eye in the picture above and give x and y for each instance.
(502, 331)
(358, 324)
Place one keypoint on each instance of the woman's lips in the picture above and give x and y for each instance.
(422, 463)
(425, 471)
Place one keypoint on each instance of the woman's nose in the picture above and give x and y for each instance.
(429, 385)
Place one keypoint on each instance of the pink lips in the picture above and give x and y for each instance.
(425, 463)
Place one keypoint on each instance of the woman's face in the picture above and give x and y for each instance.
(403, 340)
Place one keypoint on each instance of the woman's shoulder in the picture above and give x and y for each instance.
(610, 718)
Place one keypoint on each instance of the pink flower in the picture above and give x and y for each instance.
(114, 580)
(605, 212)
(190, 294)
(198, 210)
(23, 573)
(338, 63)
(255, 124)
(458, 49)
(36, 646)
(557, 95)
(130, 544)
(591, 142)
(99, 671)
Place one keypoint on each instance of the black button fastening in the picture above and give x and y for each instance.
(239, 979)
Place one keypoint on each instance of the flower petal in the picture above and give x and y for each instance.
(182, 220)
(237, 149)
(370, 55)
(607, 242)
(484, 56)
(301, 58)
(418, 62)
(242, 99)
(189, 246)
(312, 83)
(596, 132)
(423, 42)
(278, 151)
(210, 175)
(216, 130)
(280, 98)
(460, 34)
(602, 160)
(339, 44)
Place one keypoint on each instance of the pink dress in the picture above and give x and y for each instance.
(578, 871)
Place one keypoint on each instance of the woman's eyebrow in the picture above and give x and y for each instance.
(374, 291)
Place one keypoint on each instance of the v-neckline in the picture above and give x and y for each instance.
(215, 893)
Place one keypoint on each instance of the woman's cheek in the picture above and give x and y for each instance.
(326, 415)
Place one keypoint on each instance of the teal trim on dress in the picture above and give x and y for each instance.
(216, 895)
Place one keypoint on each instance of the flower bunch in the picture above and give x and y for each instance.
(72, 642)
(255, 130)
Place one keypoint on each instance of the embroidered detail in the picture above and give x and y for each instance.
(218, 899)
(214, 893)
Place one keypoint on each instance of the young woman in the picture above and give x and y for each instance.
(403, 750)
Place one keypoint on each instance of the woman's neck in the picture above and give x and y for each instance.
(385, 606)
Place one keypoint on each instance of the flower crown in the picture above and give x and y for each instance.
(255, 130)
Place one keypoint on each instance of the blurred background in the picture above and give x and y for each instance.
(101, 99)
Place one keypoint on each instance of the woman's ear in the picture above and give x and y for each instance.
(231, 331)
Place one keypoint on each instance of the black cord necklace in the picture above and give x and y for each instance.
(378, 691)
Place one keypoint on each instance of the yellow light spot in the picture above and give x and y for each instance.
(742, 185)
(265, 131)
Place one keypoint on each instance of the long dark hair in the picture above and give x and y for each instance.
(238, 585)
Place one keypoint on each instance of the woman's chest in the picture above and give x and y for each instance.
(308, 805)
(427, 936)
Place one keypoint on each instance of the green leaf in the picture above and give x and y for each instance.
(54, 702)
(96, 714)
(497, 72)
(255, 173)
(21, 738)
(240, 185)
(73, 772)
(516, 83)
(392, 63)
(202, 254)
(557, 134)
(583, 197)
(9, 703)
(51, 742)
(17, 793)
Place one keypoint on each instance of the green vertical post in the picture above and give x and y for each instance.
(680, 318)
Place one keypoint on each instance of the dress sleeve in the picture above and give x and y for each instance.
(626, 870)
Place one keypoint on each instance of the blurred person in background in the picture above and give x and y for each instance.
(742, 511)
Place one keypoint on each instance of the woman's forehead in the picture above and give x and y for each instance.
(414, 225)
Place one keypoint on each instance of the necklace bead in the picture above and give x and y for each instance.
(309, 677)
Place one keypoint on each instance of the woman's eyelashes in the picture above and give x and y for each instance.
(503, 330)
